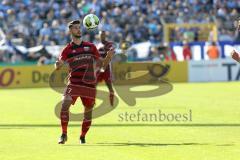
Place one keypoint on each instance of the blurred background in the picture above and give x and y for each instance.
(163, 29)
(196, 31)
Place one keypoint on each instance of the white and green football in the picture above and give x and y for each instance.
(90, 21)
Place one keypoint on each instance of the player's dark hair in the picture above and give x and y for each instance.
(102, 31)
(70, 24)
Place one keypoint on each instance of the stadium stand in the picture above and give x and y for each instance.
(32, 23)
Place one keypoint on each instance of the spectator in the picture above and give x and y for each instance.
(187, 53)
(169, 53)
(154, 54)
(237, 33)
(141, 16)
(213, 52)
(45, 32)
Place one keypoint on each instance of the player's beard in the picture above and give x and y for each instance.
(77, 35)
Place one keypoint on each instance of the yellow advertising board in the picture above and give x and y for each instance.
(178, 71)
(147, 73)
(25, 76)
(123, 73)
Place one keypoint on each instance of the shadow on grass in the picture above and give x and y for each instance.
(138, 144)
(147, 144)
(225, 145)
(7, 128)
(125, 125)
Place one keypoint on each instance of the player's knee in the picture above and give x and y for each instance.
(88, 113)
(66, 105)
(88, 116)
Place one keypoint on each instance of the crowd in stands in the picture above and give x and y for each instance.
(44, 22)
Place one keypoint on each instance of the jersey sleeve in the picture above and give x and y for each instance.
(63, 55)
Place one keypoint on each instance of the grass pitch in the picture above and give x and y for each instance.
(29, 128)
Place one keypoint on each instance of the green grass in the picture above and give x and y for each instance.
(29, 128)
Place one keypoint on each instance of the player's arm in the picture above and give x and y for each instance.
(106, 61)
(61, 59)
(59, 64)
(108, 58)
(234, 54)
(103, 62)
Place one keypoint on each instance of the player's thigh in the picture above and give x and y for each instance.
(107, 76)
(88, 107)
(68, 98)
(100, 77)
(88, 103)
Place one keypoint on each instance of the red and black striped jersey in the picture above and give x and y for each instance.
(103, 48)
(81, 60)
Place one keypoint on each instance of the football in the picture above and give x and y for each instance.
(90, 21)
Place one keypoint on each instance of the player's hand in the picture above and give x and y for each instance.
(111, 98)
(111, 52)
(235, 56)
(58, 64)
